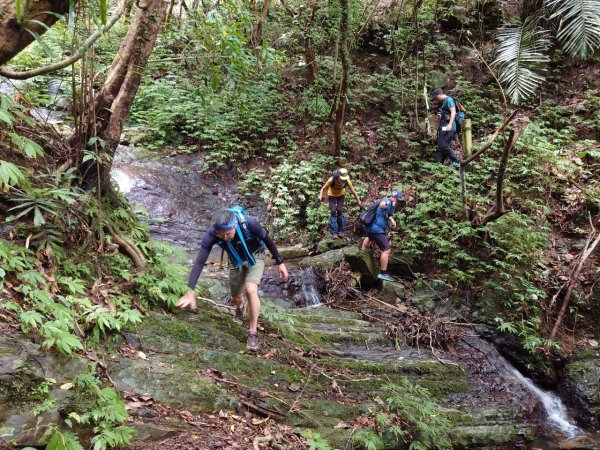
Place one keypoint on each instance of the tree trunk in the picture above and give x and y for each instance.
(15, 36)
(258, 34)
(309, 49)
(113, 103)
(343, 90)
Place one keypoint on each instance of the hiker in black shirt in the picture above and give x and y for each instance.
(244, 240)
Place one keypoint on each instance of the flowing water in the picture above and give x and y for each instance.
(554, 407)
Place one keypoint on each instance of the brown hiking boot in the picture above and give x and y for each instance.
(252, 344)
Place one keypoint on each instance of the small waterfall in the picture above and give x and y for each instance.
(555, 408)
(307, 292)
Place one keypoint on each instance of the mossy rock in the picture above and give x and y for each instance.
(172, 380)
(493, 434)
(393, 292)
(293, 252)
(325, 260)
(580, 386)
(330, 243)
(362, 261)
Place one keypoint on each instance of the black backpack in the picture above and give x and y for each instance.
(368, 215)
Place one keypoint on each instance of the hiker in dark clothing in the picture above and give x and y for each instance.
(376, 231)
(244, 239)
(447, 127)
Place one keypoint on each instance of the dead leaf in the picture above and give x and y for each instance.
(142, 355)
(67, 386)
(260, 421)
(133, 405)
(342, 425)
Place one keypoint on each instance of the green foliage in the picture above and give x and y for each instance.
(579, 25)
(274, 313)
(104, 410)
(41, 202)
(292, 189)
(368, 439)
(100, 408)
(315, 440)
(410, 416)
(521, 51)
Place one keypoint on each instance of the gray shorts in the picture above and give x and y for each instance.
(242, 275)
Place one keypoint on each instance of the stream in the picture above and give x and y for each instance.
(180, 200)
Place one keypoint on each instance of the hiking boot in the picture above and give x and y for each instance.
(252, 344)
(238, 316)
(386, 276)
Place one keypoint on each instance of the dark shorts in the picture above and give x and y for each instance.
(381, 240)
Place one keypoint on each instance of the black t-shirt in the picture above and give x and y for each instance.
(210, 239)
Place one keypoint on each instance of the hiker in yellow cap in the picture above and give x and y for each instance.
(336, 190)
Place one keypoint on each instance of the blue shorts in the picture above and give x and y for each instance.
(381, 239)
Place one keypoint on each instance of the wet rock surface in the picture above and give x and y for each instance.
(180, 199)
(24, 367)
(581, 386)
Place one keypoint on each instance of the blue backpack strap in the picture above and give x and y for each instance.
(243, 232)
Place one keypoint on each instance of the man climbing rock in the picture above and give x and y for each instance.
(244, 239)
(376, 230)
(336, 194)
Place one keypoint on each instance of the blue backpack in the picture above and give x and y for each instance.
(244, 234)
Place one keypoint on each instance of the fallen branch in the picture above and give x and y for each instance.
(590, 245)
(218, 305)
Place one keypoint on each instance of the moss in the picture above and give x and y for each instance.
(23, 388)
(406, 367)
(491, 434)
(170, 334)
(256, 371)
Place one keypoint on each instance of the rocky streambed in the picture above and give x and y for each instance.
(319, 368)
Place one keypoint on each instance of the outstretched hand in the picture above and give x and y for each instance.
(283, 273)
(188, 300)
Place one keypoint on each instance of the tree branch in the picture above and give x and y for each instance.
(91, 40)
(489, 143)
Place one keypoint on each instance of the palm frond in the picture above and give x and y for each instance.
(579, 26)
(520, 57)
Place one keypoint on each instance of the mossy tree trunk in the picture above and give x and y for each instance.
(14, 26)
(114, 101)
(343, 87)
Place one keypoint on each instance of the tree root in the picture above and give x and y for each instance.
(129, 247)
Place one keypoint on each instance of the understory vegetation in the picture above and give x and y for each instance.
(77, 266)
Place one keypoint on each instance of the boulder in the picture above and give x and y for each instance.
(427, 295)
(579, 386)
(295, 251)
(325, 260)
(362, 261)
(393, 292)
(25, 371)
(330, 244)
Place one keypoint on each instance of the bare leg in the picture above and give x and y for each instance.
(365, 243)
(253, 306)
(384, 258)
(237, 300)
